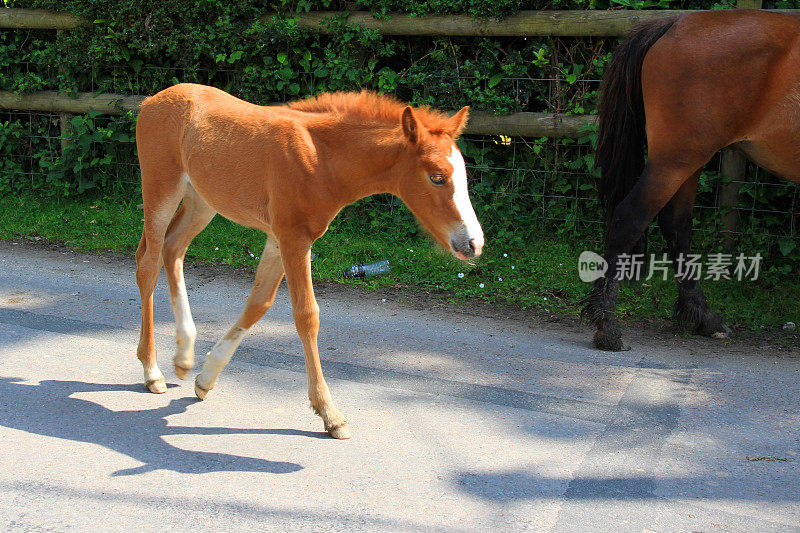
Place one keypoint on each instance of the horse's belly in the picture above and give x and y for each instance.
(781, 156)
(774, 143)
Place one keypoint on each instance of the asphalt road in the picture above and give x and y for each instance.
(460, 420)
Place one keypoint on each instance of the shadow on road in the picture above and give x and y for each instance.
(47, 409)
(520, 485)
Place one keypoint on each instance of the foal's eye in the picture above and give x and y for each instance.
(437, 179)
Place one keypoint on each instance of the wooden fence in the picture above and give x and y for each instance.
(525, 23)
(480, 123)
(567, 23)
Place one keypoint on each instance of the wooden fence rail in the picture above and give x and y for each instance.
(523, 24)
(567, 23)
(52, 101)
(37, 19)
(481, 123)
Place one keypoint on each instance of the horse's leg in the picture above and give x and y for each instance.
(657, 185)
(162, 190)
(675, 221)
(193, 215)
(297, 264)
(268, 277)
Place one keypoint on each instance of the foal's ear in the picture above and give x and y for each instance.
(458, 122)
(410, 125)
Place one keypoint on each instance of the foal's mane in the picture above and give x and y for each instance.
(370, 107)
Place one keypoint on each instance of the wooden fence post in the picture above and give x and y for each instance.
(63, 118)
(733, 167)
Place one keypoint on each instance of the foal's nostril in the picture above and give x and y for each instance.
(461, 250)
(476, 245)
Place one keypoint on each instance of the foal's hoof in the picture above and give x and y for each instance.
(199, 391)
(157, 386)
(609, 342)
(339, 432)
(181, 371)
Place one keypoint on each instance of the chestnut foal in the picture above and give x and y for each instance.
(287, 171)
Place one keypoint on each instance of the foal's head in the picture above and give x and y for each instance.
(434, 183)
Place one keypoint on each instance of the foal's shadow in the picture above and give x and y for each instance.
(47, 409)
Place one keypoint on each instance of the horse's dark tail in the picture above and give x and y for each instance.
(621, 140)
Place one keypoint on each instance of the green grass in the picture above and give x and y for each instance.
(542, 275)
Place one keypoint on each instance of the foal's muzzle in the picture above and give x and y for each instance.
(464, 245)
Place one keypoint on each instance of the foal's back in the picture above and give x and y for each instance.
(233, 153)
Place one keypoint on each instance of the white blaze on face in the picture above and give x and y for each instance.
(461, 198)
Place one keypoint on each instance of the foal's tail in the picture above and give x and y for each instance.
(621, 141)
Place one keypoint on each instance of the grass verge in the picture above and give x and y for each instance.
(542, 275)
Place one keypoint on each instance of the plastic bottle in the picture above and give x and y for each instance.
(367, 271)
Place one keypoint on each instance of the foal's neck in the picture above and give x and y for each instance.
(359, 157)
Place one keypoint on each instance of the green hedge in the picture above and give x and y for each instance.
(523, 187)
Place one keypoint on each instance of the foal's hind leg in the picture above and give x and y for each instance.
(268, 276)
(161, 194)
(675, 221)
(658, 184)
(193, 215)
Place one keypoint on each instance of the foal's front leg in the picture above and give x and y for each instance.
(268, 276)
(297, 265)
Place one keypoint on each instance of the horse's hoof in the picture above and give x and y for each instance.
(199, 391)
(181, 371)
(157, 386)
(713, 326)
(339, 432)
(609, 343)
(723, 333)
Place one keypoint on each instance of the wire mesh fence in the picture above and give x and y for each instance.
(549, 182)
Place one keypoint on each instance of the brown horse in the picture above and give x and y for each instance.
(684, 88)
(285, 170)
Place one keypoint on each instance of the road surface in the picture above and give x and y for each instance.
(461, 420)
